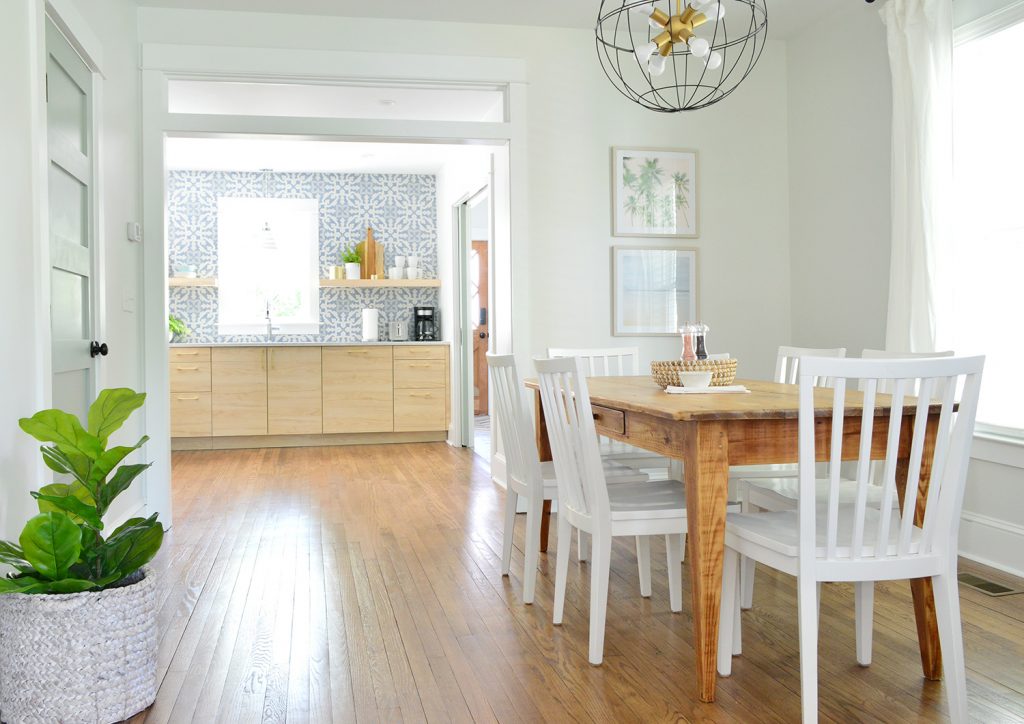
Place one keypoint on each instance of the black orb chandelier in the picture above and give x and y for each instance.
(679, 55)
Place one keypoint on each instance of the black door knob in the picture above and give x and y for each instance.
(483, 335)
(96, 349)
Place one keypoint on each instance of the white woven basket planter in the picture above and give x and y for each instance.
(78, 657)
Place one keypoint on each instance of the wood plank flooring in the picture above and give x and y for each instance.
(360, 584)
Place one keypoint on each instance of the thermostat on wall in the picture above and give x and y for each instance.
(134, 231)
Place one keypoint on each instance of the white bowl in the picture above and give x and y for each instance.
(697, 380)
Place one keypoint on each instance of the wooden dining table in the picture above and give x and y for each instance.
(712, 432)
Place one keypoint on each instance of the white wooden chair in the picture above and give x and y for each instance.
(525, 475)
(619, 362)
(866, 541)
(603, 511)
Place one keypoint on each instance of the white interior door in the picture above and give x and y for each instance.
(72, 238)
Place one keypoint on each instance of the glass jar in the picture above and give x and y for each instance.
(689, 352)
(700, 333)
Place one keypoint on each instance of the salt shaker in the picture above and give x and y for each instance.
(687, 330)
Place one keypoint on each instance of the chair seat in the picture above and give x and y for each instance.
(779, 532)
(655, 499)
(776, 494)
(615, 449)
(614, 473)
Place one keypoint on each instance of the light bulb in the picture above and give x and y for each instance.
(645, 51)
(714, 11)
(714, 60)
(643, 13)
(657, 64)
(699, 46)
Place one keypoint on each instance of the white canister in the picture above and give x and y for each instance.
(371, 325)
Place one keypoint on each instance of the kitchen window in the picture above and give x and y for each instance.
(268, 259)
(984, 276)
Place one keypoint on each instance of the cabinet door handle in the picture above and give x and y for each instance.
(182, 368)
(420, 394)
(421, 365)
(189, 397)
(186, 353)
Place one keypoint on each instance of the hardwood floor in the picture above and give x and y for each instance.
(363, 584)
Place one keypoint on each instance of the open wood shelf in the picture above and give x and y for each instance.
(380, 283)
(192, 282)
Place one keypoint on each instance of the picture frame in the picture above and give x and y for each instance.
(655, 192)
(655, 289)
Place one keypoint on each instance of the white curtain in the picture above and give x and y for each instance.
(920, 40)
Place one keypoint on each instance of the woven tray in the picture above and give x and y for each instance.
(667, 373)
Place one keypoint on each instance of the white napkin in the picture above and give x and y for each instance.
(705, 390)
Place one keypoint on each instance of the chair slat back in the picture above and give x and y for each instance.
(573, 437)
(515, 429)
(885, 354)
(603, 362)
(864, 530)
(787, 362)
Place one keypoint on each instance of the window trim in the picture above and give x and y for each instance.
(990, 23)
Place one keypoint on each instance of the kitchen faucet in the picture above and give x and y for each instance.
(270, 326)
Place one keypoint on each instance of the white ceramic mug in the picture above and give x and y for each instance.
(414, 262)
(395, 272)
(399, 261)
(413, 272)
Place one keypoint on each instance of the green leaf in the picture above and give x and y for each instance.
(76, 465)
(119, 483)
(111, 408)
(23, 584)
(52, 543)
(12, 555)
(63, 430)
(133, 545)
(61, 497)
(70, 585)
(110, 459)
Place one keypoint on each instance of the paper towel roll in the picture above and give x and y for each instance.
(371, 323)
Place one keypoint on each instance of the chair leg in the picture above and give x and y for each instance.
(947, 611)
(864, 603)
(582, 545)
(643, 563)
(727, 612)
(747, 566)
(674, 551)
(600, 569)
(807, 605)
(561, 566)
(511, 501)
(531, 547)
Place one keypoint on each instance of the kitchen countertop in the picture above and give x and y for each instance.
(299, 344)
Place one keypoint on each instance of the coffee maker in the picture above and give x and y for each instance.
(425, 324)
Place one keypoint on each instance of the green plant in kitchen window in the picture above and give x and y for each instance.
(176, 327)
(350, 256)
(62, 550)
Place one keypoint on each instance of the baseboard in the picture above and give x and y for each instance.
(981, 536)
(242, 442)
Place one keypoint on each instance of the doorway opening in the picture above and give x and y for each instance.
(478, 289)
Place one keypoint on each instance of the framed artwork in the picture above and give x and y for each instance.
(654, 192)
(654, 290)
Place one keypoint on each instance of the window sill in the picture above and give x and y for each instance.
(261, 329)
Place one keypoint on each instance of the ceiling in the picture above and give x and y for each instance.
(255, 154)
(786, 16)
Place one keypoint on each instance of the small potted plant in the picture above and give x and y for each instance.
(78, 612)
(350, 257)
(175, 328)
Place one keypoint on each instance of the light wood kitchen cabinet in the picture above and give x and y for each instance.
(239, 384)
(357, 389)
(189, 373)
(190, 414)
(421, 388)
(420, 410)
(294, 391)
(418, 373)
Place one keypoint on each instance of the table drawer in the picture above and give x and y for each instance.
(609, 420)
(435, 351)
(189, 354)
(190, 376)
(420, 410)
(416, 374)
(191, 414)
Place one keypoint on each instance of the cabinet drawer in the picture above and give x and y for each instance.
(607, 419)
(415, 374)
(420, 410)
(190, 414)
(190, 376)
(435, 351)
(189, 354)
(375, 353)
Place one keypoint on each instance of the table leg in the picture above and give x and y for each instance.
(544, 453)
(921, 588)
(707, 481)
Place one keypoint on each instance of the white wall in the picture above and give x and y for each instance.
(840, 111)
(562, 280)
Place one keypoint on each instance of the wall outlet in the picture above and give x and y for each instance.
(134, 231)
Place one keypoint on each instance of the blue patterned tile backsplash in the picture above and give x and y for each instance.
(401, 209)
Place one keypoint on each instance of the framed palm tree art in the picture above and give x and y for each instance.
(654, 192)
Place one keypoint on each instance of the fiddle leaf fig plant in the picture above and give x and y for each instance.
(63, 550)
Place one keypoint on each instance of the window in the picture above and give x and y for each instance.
(986, 263)
(268, 258)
